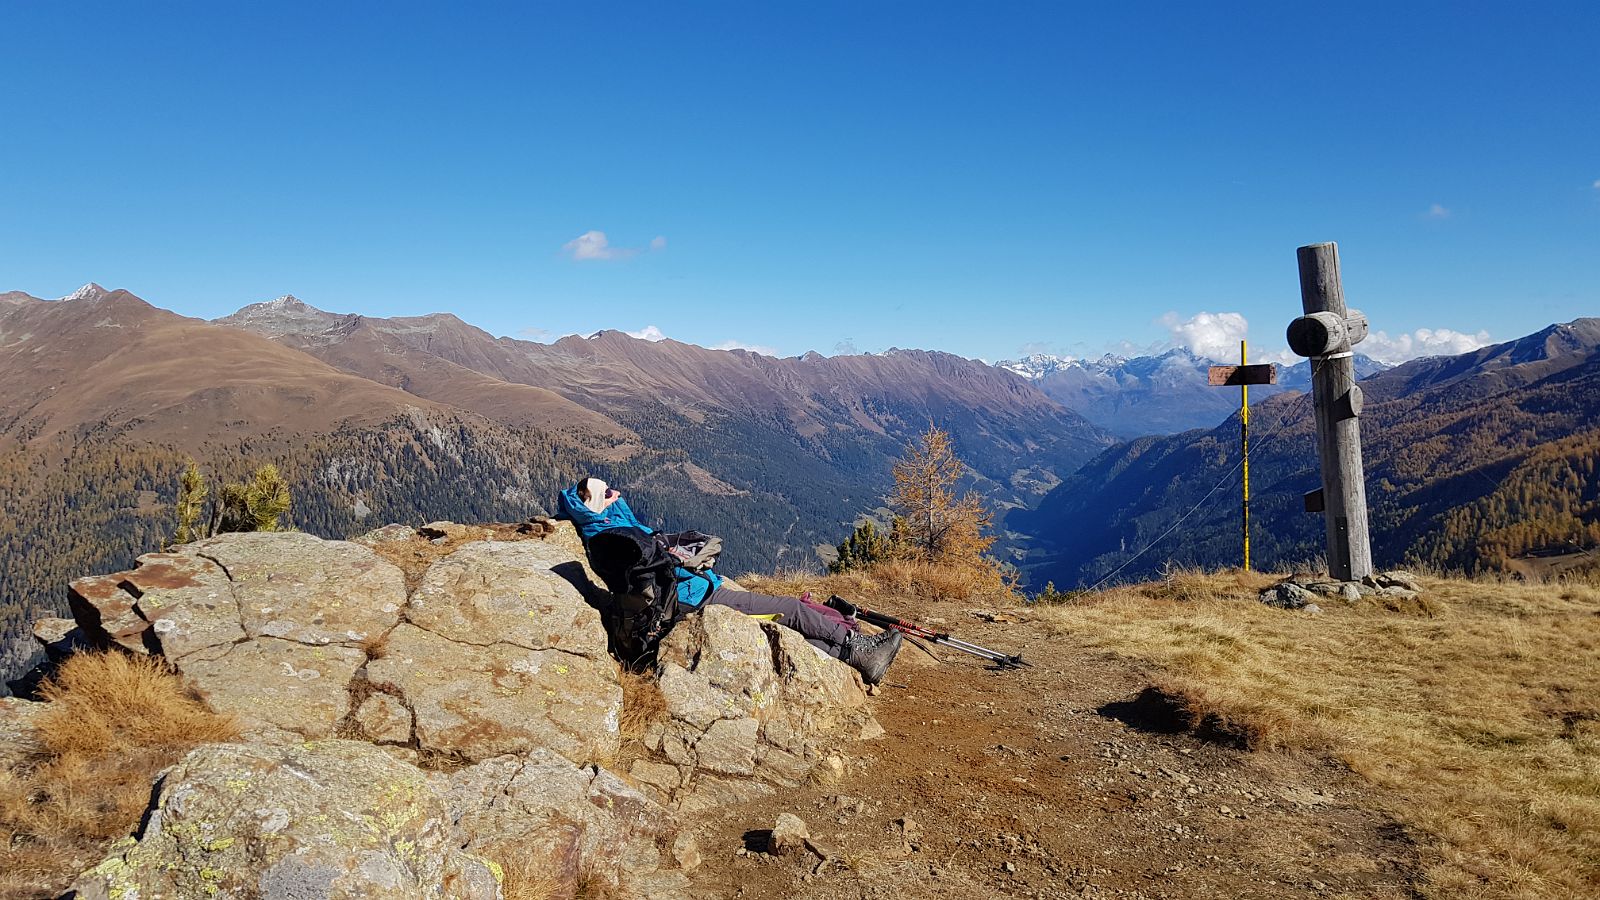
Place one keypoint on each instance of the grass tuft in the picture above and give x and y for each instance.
(523, 876)
(642, 704)
(114, 720)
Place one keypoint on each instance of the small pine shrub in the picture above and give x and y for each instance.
(256, 505)
(190, 505)
(865, 547)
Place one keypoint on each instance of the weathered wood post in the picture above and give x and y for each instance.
(1326, 334)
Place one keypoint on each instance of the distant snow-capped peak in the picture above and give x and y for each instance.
(1040, 365)
(1037, 365)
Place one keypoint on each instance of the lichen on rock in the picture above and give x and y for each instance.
(330, 819)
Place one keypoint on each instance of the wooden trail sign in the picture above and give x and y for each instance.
(1244, 375)
(1241, 375)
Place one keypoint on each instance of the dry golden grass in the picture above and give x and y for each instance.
(642, 704)
(1478, 712)
(113, 722)
(897, 579)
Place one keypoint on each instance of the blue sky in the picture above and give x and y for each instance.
(980, 178)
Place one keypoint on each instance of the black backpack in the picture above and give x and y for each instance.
(640, 571)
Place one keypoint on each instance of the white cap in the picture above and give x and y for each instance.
(596, 489)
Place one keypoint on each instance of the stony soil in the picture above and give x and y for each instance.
(1056, 781)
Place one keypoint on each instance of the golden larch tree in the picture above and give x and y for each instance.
(931, 522)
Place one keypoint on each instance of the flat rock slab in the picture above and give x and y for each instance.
(188, 601)
(484, 701)
(104, 610)
(274, 685)
(302, 588)
(508, 592)
(333, 820)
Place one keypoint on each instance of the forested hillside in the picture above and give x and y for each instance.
(1469, 461)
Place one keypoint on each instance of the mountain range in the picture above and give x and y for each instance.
(1161, 394)
(1471, 461)
(104, 398)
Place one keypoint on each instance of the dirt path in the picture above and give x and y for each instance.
(1055, 782)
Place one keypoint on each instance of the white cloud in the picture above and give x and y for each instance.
(1209, 335)
(658, 243)
(1422, 342)
(534, 334)
(1597, 184)
(1436, 211)
(846, 347)
(648, 333)
(762, 349)
(595, 245)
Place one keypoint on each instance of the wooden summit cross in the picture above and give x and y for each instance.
(1244, 375)
(1326, 334)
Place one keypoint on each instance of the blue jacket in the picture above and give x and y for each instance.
(692, 589)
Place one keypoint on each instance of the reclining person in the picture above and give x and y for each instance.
(593, 507)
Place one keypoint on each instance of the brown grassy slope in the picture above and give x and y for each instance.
(115, 362)
(113, 722)
(1482, 718)
(360, 349)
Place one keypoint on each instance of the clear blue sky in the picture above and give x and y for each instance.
(980, 178)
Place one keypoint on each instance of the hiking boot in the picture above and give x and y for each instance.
(871, 654)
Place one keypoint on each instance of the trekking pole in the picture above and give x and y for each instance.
(912, 629)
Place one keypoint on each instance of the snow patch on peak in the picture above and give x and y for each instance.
(90, 291)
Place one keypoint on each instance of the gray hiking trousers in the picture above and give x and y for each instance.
(824, 633)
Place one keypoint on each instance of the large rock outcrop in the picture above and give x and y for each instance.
(345, 819)
(395, 738)
(499, 654)
(495, 652)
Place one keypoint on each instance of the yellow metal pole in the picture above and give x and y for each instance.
(1244, 440)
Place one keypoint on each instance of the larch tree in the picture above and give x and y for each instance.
(931, 522)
